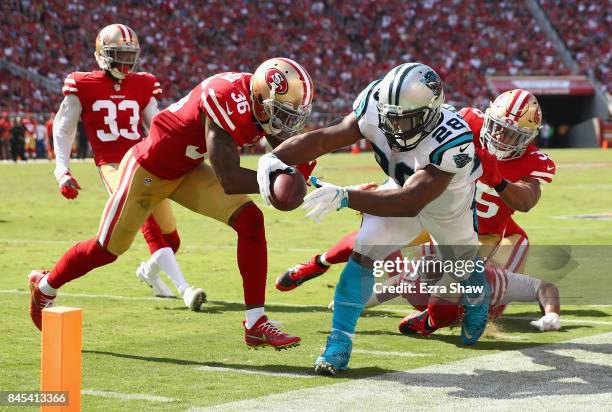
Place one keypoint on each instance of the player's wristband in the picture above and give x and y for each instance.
(501, 186)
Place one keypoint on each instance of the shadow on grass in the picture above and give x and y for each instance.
(289, 371)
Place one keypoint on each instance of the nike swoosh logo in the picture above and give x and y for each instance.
(549, 168)
(229, 112)
(462, 149)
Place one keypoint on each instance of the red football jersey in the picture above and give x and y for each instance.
(111, 111)
(176, 142)
(494, 216)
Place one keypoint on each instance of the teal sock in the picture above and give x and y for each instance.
(352, 292)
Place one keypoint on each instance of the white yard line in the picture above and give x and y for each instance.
(393, 354)
(254, 372)
(149, 298)
(127, 396)
(563, 320)
(571, 375)
(187, 247)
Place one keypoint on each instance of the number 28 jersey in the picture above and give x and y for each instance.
(111, 111)
(449, 147)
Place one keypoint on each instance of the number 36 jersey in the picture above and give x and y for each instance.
(111, 111)
(449, 147)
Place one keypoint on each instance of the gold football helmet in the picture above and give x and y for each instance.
(511, 122)
(117, 50)
(282, 93)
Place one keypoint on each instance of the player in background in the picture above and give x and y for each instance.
(115, 103)
(221, 114)
(506, 287)
(504, 138)
(428, 153)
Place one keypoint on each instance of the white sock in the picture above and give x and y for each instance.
(167, 262)
(46, 288)
(323, 260)
(253, 315)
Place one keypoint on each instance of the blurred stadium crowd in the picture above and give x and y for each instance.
(343, 44)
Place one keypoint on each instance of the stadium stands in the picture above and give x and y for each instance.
(587, 34)
(355, 41)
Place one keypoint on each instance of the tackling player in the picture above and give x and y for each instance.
(506, 287)
(114, 104)
(428, 153)
(221, 114)
(511, 163)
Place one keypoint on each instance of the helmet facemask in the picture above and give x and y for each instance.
(119, 61)
(405, 129)
(504, 138)
(283, 120)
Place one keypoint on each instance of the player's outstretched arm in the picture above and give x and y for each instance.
(310, 145)
(225, 160)
(419, 190)
(304, 148)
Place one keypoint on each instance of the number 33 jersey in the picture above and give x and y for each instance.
(111, 111)
(449, 147)
(176, 142)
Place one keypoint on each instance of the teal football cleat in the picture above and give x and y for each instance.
(475, 308)
(336, 356)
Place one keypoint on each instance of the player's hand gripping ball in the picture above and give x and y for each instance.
(287, 190)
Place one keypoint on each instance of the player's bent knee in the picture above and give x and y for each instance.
(173, 240)
(249, 220)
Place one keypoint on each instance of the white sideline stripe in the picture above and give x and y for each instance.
(563, 320)
(290, 305)
(384, 353)
(253, 372)
(119, 297)
(127, 396)
(511, 380)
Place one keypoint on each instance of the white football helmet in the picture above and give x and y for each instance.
(409, 101)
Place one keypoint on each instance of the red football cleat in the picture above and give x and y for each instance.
(416, 323)
(299, 274)
(38, 300)
(265, 333)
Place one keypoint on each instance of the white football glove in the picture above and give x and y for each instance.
(267, 165)
(546, 323)
(326, 198)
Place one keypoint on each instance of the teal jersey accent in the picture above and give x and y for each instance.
(360, 105)
(436, 156)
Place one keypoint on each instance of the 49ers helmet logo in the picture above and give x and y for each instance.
(276, 78)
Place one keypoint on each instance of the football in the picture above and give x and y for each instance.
(287, 190)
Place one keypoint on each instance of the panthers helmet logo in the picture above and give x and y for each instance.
(275, 78)
(433, 82)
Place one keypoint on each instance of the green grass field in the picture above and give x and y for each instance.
(137, 344)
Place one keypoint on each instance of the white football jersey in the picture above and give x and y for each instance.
(449, 147)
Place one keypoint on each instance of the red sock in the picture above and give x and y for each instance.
(153, 235)
(252, 254)
(173, 240)
(341, 251)
(78, 260)
(442, 312)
